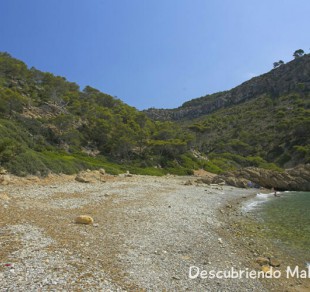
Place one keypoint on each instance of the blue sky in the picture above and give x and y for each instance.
(154, 53)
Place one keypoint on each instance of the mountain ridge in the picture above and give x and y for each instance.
(292, 76)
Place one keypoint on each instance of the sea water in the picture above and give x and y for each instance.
(286, 220)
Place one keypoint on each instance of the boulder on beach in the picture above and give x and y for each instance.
(82, 179)
(5, 179)
(188, 183)
(84, 219)
(3, 170)
(102, 171)
(204, 180)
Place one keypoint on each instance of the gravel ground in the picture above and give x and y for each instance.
(148, 232)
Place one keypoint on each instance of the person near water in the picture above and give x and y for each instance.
(275, 193)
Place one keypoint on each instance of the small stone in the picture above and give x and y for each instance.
(251, 242)
(262, 261)
(128, 174)
(266, 269)
(220, 240)
(4, 196)
(274, 262)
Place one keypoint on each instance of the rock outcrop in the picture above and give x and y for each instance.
(90, 176)
(295, 179)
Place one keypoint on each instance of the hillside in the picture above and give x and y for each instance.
(48, 124)
(264, 120)
(291, 77)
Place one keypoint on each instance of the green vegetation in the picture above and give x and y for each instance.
(268, 132)
(298, 53)
(47, 124)
(278, 64)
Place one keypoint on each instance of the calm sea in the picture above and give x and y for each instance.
(286, 220)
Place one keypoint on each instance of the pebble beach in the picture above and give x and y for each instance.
(149, 234)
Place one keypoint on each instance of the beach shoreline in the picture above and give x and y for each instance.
(247, 232)
(147, 234)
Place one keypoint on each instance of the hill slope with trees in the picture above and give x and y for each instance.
(47, 124)
(293, 76)
(263, 122)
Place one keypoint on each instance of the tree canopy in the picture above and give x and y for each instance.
(298, 53)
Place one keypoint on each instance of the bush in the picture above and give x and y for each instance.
(211, 167)
(147, 171)
(27, 163)
(9, 149)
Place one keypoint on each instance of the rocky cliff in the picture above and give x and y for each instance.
(293, 76)
(295, 179)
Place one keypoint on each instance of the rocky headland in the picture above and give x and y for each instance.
(294, 179)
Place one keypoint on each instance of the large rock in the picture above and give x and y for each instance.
(297, 179)
(204, 180)
(5, 179)
(82, 179)
(3, 170)
(89, 176)
(102, 171)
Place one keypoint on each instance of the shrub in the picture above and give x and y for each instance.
(27, 163)
(212, 167)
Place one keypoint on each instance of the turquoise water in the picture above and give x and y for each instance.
(286, 220)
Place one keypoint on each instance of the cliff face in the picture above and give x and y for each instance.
(295, 179)
(293, 76)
